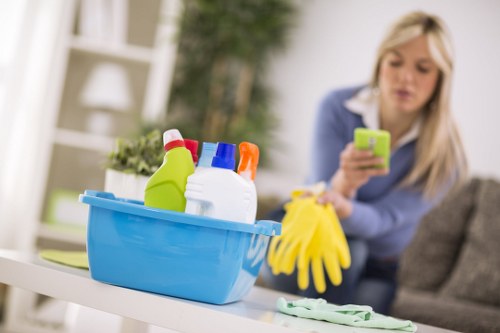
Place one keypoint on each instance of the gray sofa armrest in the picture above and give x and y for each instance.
(432, 254)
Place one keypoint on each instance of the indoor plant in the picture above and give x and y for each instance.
(219, 91)
(131, 163)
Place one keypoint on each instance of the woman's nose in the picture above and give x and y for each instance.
(406, 74)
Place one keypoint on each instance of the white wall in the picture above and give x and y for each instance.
(334, 46)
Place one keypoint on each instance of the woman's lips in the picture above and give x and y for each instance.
(403, 94)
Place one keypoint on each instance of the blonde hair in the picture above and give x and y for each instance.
(439, 154)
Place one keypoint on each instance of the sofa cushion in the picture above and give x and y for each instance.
(430, 257)
(476, 276)
(462, 316)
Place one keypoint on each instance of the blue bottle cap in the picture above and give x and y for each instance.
(207, 154)
(224, 158)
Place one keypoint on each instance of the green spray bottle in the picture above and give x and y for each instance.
(165, 189)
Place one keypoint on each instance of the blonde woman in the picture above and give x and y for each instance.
(409, 96)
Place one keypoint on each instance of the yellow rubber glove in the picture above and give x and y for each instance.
(311, 237)
(328, 248)
(340, 239)
(298, 227)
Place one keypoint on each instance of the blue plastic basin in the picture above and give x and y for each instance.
(171, 253)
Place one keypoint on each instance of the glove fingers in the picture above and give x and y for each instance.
(278, 256)
(340, 239)
(344, 258)
(286, 256)
(310, 240)
(288, 265)
(318, 275)
(286, 259)
(303, 276)
(282, 250)
(271, 253)
(302, 255)
(297, 234)
(332, 268)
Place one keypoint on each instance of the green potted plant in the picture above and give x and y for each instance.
(131, 163)
(219, 90)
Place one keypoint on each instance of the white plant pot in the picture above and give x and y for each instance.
(125, 185)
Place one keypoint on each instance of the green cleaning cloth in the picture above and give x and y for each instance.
(76, 259)
(350, 315)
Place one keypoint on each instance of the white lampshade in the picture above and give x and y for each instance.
(108, 87)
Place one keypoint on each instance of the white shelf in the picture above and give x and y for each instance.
(73, 236)
(73, 56)
(84, 140)
(119, 51)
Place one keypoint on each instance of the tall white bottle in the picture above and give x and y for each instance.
(218, 191)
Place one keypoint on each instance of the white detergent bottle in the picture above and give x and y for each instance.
(218, 191)
(247, 168)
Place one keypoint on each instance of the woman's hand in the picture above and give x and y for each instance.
(356, 169)
(342, 205)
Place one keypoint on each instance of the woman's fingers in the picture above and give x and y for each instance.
(358, 177)
(352, 152)
(360, 165)
(367, 173)
(367, 162)
(329, 197)
(352, 158)
(356, 169)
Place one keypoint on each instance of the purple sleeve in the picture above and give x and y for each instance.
(399, 207)
(329, 139)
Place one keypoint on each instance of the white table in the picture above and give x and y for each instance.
(255, 313)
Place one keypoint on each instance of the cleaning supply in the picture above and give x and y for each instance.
(284, 250)
(312, 238)
(328, 248)
(78, 259)
(218, 191)
(192, 146)
(247, 169)
(165, 188)
(249, 159)
(350, 315)
(208, 151)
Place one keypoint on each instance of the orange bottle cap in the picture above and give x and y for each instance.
(249, 159)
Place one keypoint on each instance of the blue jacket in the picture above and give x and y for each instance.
(385, 215)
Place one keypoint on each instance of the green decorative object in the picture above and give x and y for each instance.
(77, 259)
(140, 156)
(218, 92)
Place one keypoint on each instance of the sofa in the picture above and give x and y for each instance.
(450, 274)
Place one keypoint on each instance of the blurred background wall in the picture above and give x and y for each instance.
(334, 46)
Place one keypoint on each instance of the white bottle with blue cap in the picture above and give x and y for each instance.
(218, 191)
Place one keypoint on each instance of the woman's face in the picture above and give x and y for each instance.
(408, 76)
